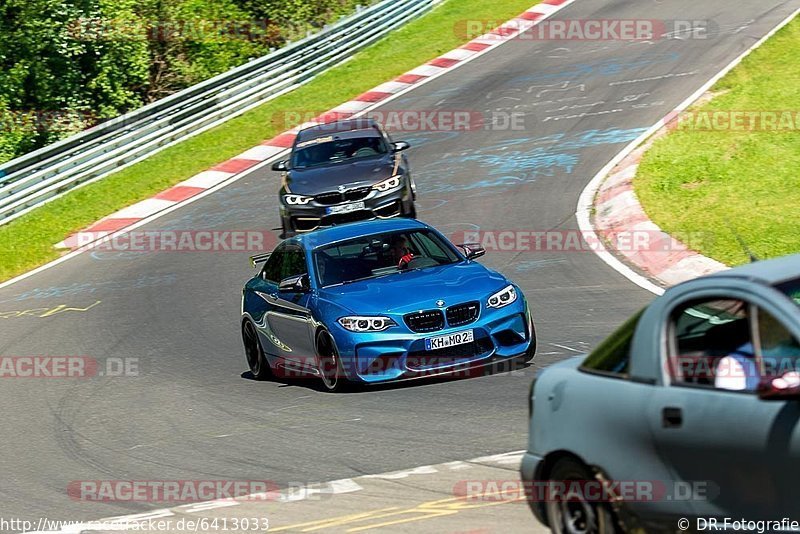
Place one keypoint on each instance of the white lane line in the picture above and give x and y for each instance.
(396, 475)
(211, 505)
(567, 348)
(586, 200)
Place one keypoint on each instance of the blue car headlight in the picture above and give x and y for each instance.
(295, 200)
(502, 298)
(358, 323)
(390, 183)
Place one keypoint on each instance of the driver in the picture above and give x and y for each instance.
(400, 252)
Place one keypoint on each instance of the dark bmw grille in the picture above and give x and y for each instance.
(425, 321)
(351, 195)
(463, 313)
(448, 355)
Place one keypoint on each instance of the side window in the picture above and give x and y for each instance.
(613, 356)
(272, 269)
(711, 345)
(294, 263)
(780, 350)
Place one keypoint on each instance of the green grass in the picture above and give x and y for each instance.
(718, 183)
(27, 242)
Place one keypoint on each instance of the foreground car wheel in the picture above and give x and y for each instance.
(255, 356)
(329, 364)
(572, 513)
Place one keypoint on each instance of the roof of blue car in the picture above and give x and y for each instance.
(341, 232)
(770, 272)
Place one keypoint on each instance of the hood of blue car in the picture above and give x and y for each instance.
(315, 180)
(417, 290)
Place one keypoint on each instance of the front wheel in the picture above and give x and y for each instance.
(568, 511)
(329, 364)
(531, 352)
(255, 355)
(411, 211)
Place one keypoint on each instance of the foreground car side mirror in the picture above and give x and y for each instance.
(400, 146)
(472, 250)
(294, 284)
(782, 388)
(280, 166)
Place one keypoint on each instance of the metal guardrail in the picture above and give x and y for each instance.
(33, 179)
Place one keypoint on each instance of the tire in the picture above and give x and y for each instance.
(255, 355)
(329, 364)
(411, 213)
(529, 354)
(575, 515)
(285, 233)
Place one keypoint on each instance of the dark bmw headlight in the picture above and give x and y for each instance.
(297, 200)
(357, 323)
(504, 297)
(390, 183)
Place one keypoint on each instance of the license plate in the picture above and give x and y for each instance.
(450, 340)
(345, 208)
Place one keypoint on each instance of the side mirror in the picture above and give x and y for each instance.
(782, 388)
(294, 284)
(400, 146)
(280, 165)
(472, 250)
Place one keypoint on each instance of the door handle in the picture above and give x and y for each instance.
(671, 417)
(271, 296)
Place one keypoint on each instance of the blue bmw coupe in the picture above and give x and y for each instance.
(378, 301)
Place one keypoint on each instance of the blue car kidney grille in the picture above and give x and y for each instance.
(425, 321)
(462, 314)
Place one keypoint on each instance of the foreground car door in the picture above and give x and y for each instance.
(739, 453)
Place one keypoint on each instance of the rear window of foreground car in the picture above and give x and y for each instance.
(612, 357)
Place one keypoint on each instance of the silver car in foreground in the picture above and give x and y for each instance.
(687, 418)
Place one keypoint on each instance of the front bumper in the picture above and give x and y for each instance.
(529, 473)
(377, 205)
(398, 353)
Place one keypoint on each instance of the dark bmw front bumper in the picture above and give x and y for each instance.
(335, 207)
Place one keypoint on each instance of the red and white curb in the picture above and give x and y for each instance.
(617, 210)
(610, 197)
(248, 160)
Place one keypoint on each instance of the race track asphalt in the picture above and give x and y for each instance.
(192, 413)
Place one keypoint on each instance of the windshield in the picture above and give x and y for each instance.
(333, 149)
(381, 255)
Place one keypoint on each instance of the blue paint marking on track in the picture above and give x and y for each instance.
(516, 162)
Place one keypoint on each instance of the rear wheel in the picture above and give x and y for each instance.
(255, 356)
(329, 364)
(572, 513)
